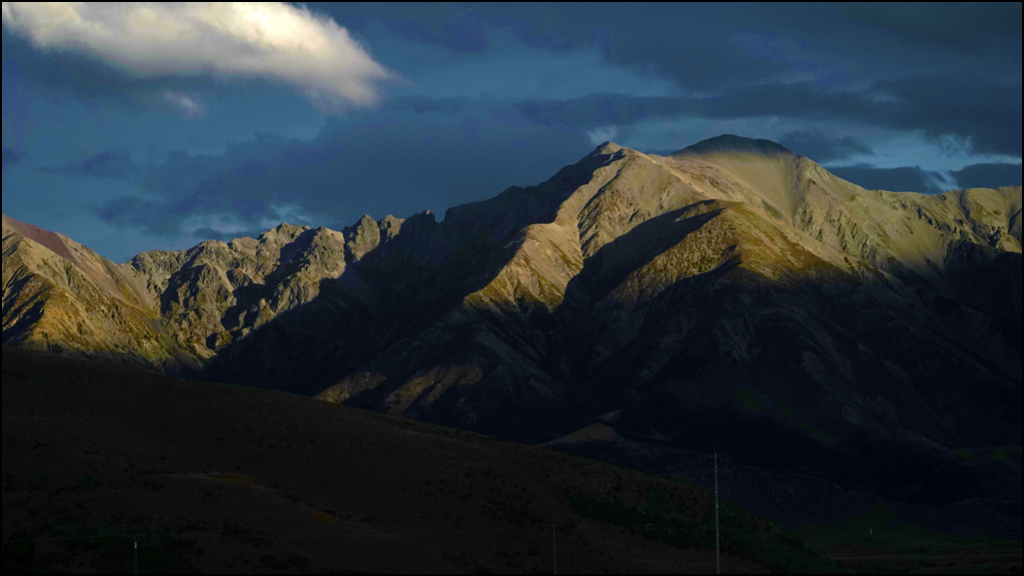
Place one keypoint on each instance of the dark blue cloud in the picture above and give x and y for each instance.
(113, 164)
(985, 115)
(948, 23)
(128, 211)
(207, 233)
(706, 48)
(70, 73)
(11, 157)
(671, 40)
(450, 26)
(457, 30)
(409, 158)
(988, 176)
(823, 148)
(905, 179)
(693, 46)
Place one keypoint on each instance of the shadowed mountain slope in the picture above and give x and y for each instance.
(730, 297)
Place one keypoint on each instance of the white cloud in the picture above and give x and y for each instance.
(188, 105)
(285, 212)
(231, 225)
(268, 40)
(603, 134)
(199, 225)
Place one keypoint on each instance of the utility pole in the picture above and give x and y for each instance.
(718, 557)
(874, 560)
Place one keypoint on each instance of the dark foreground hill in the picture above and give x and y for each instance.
(217, 478)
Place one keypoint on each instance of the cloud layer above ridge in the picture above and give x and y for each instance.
(151, 125)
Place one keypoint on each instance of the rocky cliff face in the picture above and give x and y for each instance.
(732, 297)
(59, 295)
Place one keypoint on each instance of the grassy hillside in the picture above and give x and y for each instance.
(204, 477)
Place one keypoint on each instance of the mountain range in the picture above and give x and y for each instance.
(731, 297)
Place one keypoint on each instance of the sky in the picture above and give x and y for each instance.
(133, 127)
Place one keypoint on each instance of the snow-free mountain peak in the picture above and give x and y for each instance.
(731, 143)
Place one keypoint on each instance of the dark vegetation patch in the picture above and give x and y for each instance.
(884, 468)
(212, 478)
(741, 534)
(874, 543)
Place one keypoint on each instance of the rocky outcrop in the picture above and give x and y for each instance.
(61, 296)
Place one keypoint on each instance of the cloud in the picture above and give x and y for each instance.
(596, 111)
(601, 135)
(189, 106)
(227, 225)
(704, 48)
(274, 41)
(988, 175)
(681, 48)
(409, 156)
(984, 115)
(11, 157)
(948, 22)
(904, 179)
(112, 164)
(823, 148)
